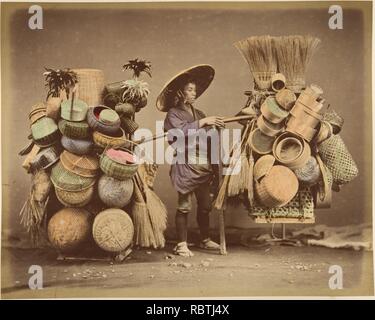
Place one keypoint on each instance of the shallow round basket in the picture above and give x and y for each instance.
(117, 169)
(286, 99)
(277, 188)
(112, 141)
(69, 228)
(261, 143)
(113, 230)
(268, 128)
(74, 130)
(85, 165)
(74, 198)
(115, 193)
(103, 126)
(263, 166)
(69, 181)
(45, 132)
(272, 111)
(77, 146)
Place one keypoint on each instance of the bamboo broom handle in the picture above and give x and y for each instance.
(225, 120)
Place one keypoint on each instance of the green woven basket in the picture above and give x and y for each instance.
(74, 130)
(115, 169)
(45, 132)
(78, 113)
(69, 181)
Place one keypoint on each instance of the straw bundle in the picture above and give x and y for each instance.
(293, 55)
(259, 54)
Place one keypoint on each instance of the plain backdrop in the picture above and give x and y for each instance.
(174, 37)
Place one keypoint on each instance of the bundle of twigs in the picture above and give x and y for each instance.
(293, 55)
(258, 52)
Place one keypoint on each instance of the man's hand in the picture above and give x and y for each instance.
(212, 121)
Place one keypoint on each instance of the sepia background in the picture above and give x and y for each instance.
(174, 38)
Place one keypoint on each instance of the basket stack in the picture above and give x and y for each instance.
(293, 141)
(80, 153)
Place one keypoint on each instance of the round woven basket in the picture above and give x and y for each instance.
(277, 188)
(69, 181)
(77, 146)
(85, 165)
(263, 166)
(291, 151)
(45, 132)
(117, 169)
(93, 119)
(90, 85)
(268, 128)
(113, 230)
(74, 130)
(129, 125)
(69, 228)
(309, 174)
(37, 112)
(45, 158)
(78, 113)
(115, 193)
(286, 99)
(272, 111)
(261, 143)
(125, 109)
(74, 198)
(339, 161)
(106, 141)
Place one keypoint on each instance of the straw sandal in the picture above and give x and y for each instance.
(182, 249)
(208, 244)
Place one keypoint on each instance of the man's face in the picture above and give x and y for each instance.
(190, 92)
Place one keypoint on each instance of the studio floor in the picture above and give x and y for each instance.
(245, 272)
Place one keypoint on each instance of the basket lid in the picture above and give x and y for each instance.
(78, 113)
(263, 166)
(69, 181)
(261, 143)
(109, 116)
(83, 165)
(272, 111)
(113, 230)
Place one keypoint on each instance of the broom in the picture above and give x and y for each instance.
(258, 52)
(293, 54)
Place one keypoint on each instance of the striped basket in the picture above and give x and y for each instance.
(129, 125)
(115, 169)
(105, 141)
(90, 85)
(93, 119)
(45, 132)
(74, 198)
(45, 158)
(74, 130)
(77, 146)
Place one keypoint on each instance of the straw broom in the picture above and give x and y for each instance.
(258, 52)
(293, 54)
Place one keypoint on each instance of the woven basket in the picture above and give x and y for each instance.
(336, 121)
(310, 102)
(77, 146)
(78, 113)
(298, 126)
(129, 125)
(286, 99)
(111, 100)
(277, 188)
(125, 109)
(45, 158)
(268, 128)
(74, 198)
(272, 111)
(263, 166)
(339, 161)
(261, 143)
(69, 181)
(53, 107)
(278, 82)
(115, 169)
(113, 230)
(115, 193)
(291, 151)
(90, 85)
(105, 141)
(305, 115)
(45, 132)
(309, 174)
(74, 130)
(325, 132)
(37, 112)
(68, 228)
(300, 207)
(263, 79)
(100, 126)
(115, 88)
(85, 166)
